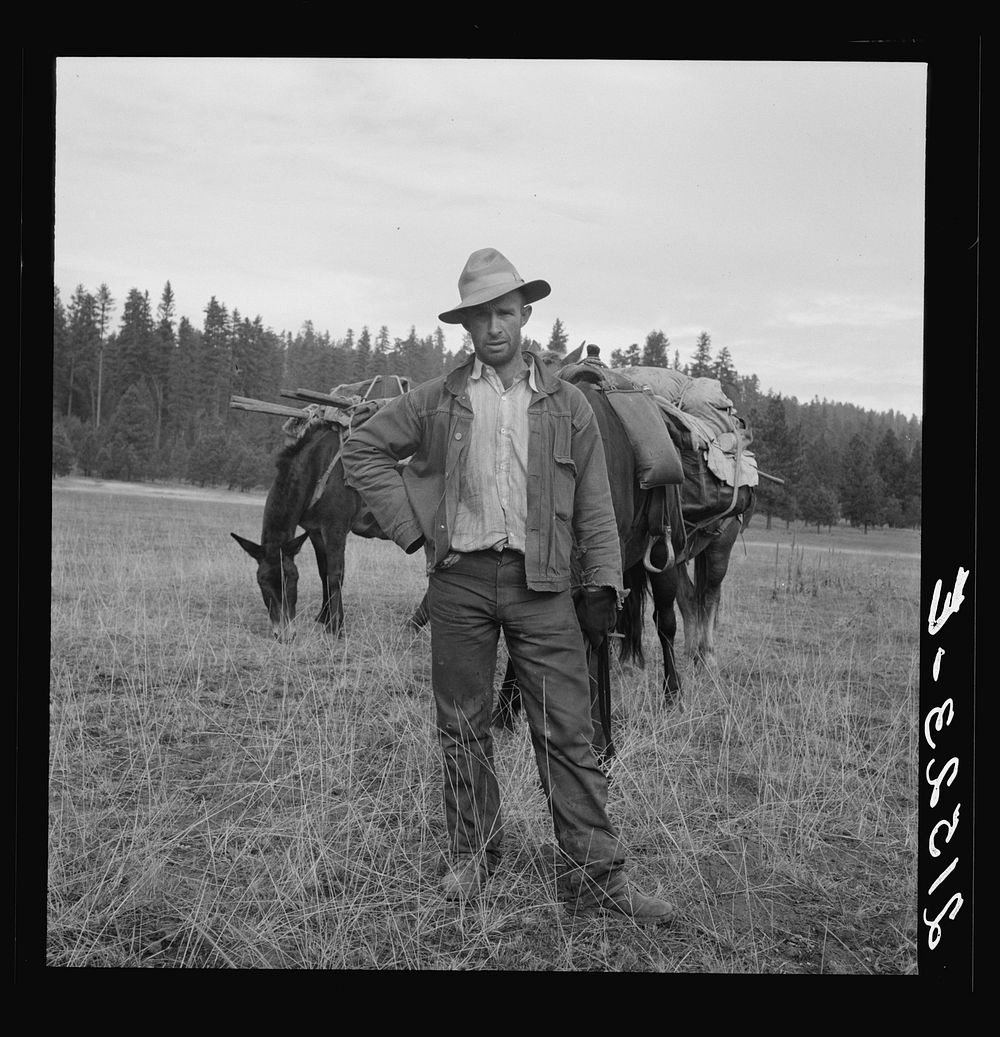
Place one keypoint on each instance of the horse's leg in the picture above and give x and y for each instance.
(687, 602)
(335, 541)
(707, 588)
(709, 576)
(316, 537)
(664, 588)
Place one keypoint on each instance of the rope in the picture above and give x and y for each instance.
(325, 477)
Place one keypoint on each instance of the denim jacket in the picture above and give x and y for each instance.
(570, 522)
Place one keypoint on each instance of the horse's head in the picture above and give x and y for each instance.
(278, 579)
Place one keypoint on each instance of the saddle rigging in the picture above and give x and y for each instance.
(690, 449)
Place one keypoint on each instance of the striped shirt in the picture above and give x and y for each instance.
(493, 501)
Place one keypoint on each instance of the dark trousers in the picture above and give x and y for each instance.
(470, 602)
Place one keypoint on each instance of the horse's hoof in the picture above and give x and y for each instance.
(672, 694)
(329, 626)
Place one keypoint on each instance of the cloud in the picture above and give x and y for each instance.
(835, 310)
(772, 203)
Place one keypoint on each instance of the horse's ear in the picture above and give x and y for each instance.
(292, 548)
(574, 357)
(254, 550)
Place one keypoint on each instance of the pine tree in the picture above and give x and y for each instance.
(440, 353)
(215, 364)
(774, 448)
(363, 358)
(380, 354)
(654, 353)
(725, 371)
(81, 350)
(701, 362)
(60, 353)
(208, 461)
(163, 346)
(912, 487)
(86, 442)
(347, 361)
(626, 357)
(186, 382)
(558, 338)
(105, 305)
(326, 368)
(822, 460)
(749, 394)
(891, 464)
(817, 503)
(411, 356)
(135, 344)
(62, 449)
(305, 362)
(128, 444)
(862, 488)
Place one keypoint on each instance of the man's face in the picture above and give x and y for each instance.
(495, 329)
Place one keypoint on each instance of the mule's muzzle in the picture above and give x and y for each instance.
(283, 633)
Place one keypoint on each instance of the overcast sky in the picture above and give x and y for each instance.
(779, 206)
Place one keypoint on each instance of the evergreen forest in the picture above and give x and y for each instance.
(142, 395)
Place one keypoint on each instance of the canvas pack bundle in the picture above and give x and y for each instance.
(657, 462)
(719, 469)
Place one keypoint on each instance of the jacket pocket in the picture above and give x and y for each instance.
(563, 488)
(561, 528)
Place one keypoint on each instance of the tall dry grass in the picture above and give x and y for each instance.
(217, 799)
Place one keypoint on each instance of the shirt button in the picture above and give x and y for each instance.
(458, 435)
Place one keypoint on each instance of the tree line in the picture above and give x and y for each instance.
(148, 399)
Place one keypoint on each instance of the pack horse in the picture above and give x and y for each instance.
(679, 505)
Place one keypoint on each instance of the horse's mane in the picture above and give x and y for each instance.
(291, 451)
(289, 471)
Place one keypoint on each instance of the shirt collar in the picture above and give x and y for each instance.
(477, 372)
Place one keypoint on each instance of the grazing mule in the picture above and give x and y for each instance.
(309, 492)
(304, 467)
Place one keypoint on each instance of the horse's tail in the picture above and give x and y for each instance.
(632, 615)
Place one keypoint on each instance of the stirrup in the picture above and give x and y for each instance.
(647, 562)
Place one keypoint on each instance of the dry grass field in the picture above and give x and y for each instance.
(219, 800)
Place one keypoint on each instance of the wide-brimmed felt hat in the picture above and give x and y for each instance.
(487, 275)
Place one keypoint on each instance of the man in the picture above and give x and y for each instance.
(507, 481)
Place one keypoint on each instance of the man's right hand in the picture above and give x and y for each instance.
(597, 611)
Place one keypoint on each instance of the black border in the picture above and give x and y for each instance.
(950, 494)
(951, 418)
